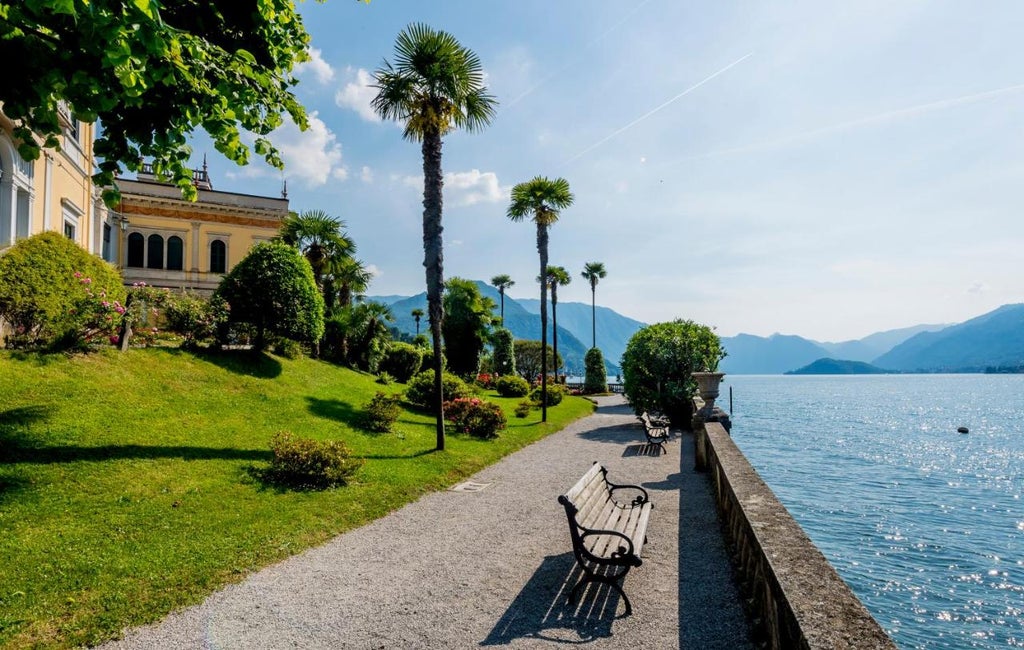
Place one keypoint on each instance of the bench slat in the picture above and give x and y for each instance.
(587, 480)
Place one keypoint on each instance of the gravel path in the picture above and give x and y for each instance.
(492, 567)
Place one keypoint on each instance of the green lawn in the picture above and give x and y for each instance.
(127, 490)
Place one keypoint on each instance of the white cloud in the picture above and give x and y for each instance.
(357, 94)
(374, 270)
(311, 157)
(316, 66)
(467, 188)
(366, 174)
(979, 287)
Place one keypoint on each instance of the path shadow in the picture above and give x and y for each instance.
(643, 449)
(542, 609)
(615, 409)
(614, 433)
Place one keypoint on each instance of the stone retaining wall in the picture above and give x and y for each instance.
(798, 599)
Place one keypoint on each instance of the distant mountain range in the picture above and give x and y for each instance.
(522, 318)
(992, 341)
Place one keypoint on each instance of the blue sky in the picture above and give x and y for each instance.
(828, 169)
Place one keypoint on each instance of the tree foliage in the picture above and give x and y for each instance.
(272, 289)
(595, 379)
(529, 364)
(152, 73)
(466, 326)
(657, 364)
(52, 290)
(503, 361)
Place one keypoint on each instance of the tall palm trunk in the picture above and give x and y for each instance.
(433, 261)
(593, 314)
(542, 248)
(502, 294)
(554, 326)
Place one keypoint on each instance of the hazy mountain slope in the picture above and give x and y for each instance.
(613, 329)
(757, 355)
(874, 345)
(992, 339)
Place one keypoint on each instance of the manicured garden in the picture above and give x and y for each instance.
(131, 484)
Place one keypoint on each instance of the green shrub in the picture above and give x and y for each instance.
(195, 318)
(310, 464)
(421, 389)
(512, 386)
(595, 379)
(658, 363)
(288, 348)
(555, 394)
(272, 289)
(53, 292)
(474, 416)
(381, 412)
(503, 361)
(385, 379)
(523, 409)
(402, 361)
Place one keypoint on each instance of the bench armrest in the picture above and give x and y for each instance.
(639, 499)
(626, 551)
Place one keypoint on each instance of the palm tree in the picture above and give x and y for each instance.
(435, 86)
(557, 277)
(592, 272)
(417, 314)
(352, 279)
(319, 236)
(502, 282)
(541, 199)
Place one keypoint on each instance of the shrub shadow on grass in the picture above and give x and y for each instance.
(16, 450)
(9, 486)
(334, 409)
(242, 362)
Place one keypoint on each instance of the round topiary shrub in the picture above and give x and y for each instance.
(401, 361)
(596, 378)
(381, 413)
(54, 293)
(658, 362)
(310, 464)
(555, 394)
(421, 389)
(474, 416)
(512, 386)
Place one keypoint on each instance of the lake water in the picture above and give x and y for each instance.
(925, 524)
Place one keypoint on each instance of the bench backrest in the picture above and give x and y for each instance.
(588, 498)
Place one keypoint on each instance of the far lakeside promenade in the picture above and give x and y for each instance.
(494, 566)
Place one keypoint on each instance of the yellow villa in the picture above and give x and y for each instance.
(154, 236)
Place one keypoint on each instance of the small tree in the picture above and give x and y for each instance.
(657, 363)
(273, 289)
(529, 363)
(504, 360)
(51, 290)
(402, 361)
(466, 326)
(596, 378)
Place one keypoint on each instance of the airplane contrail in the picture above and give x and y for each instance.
(658, 108)
(572, 60)
(910, 111)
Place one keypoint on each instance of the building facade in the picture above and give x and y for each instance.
(153, 236)
(167, 241)
(54, 192)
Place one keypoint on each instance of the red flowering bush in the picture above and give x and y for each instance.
(474, 416)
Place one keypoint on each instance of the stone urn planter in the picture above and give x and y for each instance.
(707, 388)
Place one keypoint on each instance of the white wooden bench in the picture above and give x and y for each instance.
(608, 533)
(655, 430)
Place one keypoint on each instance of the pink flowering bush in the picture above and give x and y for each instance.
(474, 416)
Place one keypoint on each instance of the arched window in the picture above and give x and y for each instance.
(175, 253)
(218, 257)
(155, 248)
(136, 250)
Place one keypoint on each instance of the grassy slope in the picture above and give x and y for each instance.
(126, 490)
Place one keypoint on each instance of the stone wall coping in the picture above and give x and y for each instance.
(801, 579)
